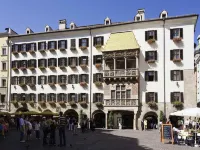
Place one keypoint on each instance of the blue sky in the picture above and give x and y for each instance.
(20, 14)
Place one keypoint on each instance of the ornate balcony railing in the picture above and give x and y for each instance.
(121, 73)
(121, 102)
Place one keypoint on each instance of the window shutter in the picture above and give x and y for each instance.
(76, 61)
(39, 80)
(94, 60)
(94, 97)
(182, 97)
(86, 60)
(48, 97)
(155, 33)
(86, 97)
(39, 46)
(76, 79)
(69, 61)
(181, 54)
(27, 97)
(76, 97)
(35, 48)
(58, 97)
(56, 79)
(66, 44)
(59, 44)
(49, 45)
(55, 44)
(45, 62)
(87, 42)
(102, 40)
(87, 78)
(35, 63)
(181, 75)
(181, 33)
(45, 80)
(59, 61)
(171, 33)
(49, 62)
(146, 56)
(34, 79)
(156, 97)
(172, 97)
(101, 97)
(155, 52)
(65, 61)
(94, 78)
(147, 97)
(29, 64)
(171, 54)
(55, 62)
(146, 38)
(49, 79)
(94, 41)
(146, 75)
(80, 60)
(171, 75)
(156, 75)
(69, 79)
(80, 42)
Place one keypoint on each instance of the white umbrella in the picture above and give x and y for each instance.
(191, 112)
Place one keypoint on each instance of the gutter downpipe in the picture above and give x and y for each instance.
(9, 75)
(164, 67)
(90, 76)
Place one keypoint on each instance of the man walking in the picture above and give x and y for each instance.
(62, 123)
(22, 128)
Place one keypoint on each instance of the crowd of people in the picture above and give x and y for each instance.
(4, 127)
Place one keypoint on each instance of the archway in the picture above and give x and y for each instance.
(152, 120)
(71, 113)
(99, 118)
(22, 109)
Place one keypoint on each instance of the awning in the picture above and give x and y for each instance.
(121, 41)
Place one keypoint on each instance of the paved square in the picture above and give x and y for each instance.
(98, 140)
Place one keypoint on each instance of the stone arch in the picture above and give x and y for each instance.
(71, 113)
(22, 109)
(99, 118)
(152, 119)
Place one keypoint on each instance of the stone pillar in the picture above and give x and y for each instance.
(125, 63)
(106, 120)
(114, 63)
(137, 62)
(134, 121)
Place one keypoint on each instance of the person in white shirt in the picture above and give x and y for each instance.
(37, 129)
(187, 124)
(29, 129)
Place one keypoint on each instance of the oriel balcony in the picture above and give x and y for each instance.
(121, 102)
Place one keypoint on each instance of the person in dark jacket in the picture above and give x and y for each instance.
(53, 133)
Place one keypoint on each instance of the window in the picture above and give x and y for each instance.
(42, 63)
(23, 64)
(32, 63)
(112, 94)
(4, 66)
(42, 80)
(83, 78)
(61, 97)
(121, 92)
(176, 33)
(51, 97)
(151, 97)
(32, 97)
(120, 63)
(130, 62)
(164, 15)
(32, 80)
(3, 82)
(62, 62)
(138, 18)
(128, 94)
(83, 60)
(83, 42)
(62, 79)
(72, 97)
(83, 97)
(4, 52)
(62, 44)
(47, 29)
(3, 98)
(97, 97)
(176, 54)
(22, 80)
(151, 76)
(150, 55)
(52, 79)
(151, 35)
(73, 61)
(52, 45)
(107, 22)
(177, 96)
(23, 97)
(97, 59)
(42, 97)
(98, 41)
(16, 48)
(42, 46)
(176, 75)
(15, 80)
(98, 77)
(27, 31)
(52, 62)
(32, 46)
(73, 43)
(72, 79)
(24, 48)
(15, 97)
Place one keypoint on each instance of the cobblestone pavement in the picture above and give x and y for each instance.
(99, 140)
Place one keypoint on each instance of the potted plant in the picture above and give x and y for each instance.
(83, 83)
(62, 104)
(151, 61)
(22, 51)
(62, 67)
(32, 104)
(42, 50)
(178, 105)
(98, 83)
(16, 104)
(99, 105)
(176, 59)
(22, 84)
(83, 65)
(73, 66)
(31, 51)
(24, 104)
(83, 47)
(52, 104)
(14, 68)
(151, 41)
(52, 49)
(110, 120)
(72, 103)
(98, 65)
(42, 67)
(83, 104)
(15, 52)
(31, 84)
(153, 105)
(52, 67)
(73, 48)
(31, 68)
(177, 39)
(51, 84)
(43, 104)
(23, 68)
(98, 46)
(62, 84)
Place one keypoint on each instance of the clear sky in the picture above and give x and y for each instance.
(20, 14)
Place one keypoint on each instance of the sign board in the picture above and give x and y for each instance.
(167, 133)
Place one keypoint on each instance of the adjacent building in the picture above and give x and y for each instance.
(129, 70)
(197, 69)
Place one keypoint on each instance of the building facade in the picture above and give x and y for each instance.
(127, 71)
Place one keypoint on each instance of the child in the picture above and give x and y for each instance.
(37, 129)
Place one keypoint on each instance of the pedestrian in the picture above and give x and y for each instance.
(145, 124)
(142, 125)
(22, 128)
(45, 130)
(70, 124)
(75, 124)
(62, 124)
(37, 129)
(29, 128)
(53, 133)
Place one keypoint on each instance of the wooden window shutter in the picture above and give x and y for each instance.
(59, 60)
(49, 60)
(87, 97)
(182, 97)
(87, 40)
(77, 79)
(55, 44)
(55, 62)
(45, 80)
(35, 47)
(80, 42)
(59, 44)
(39, 80)
(102, 40)
(94, 41)
(94, 78)
(58, 97)
(171, 54)
(94, 97)
(76, 97)
(172, 97)
(155, 33)
(181, 33)
(65, 61)
(69, 79)
(156, 97)
(39, 46)
(155, 53)
(181, 54)
(171, 33)
(146, 35)
(101, 77)
(45, 62)
(86, 60)
(94, 60)
(34, 79)
(181, 75)
(172, 75)
(76, 61)
(87, 78)
(146, 75)
(156, 75)
(80, 60)
(146, 56)
(65, 43)
(69, 61)
(147, 97)
(49, 45)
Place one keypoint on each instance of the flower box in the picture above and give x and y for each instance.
(32, 104)
(98, 46)
(62, 104)
(31, 68)
(23, 68)
(73, 66)
(42, 67)
(62, 84)
(72, 103)
(15, 52)
(31, 84)
(177, 39)
(22, 52)
(151, 61)
(22, 84)
(83, 104)
(52, 104)
(62, 49)
(31, 51)
(98, 83)
(24, 104)
(83, 65)
(98, 65)
(16, 104)
(43, 104)
(83, 83)
(42, 50)
(153, 105)
(62, 67)
(178, 105)
(14, 68)
(51, 84)
(52, 49)
(52, 67)
(151, 41)
(73, 48)
(177, 60)
(83, 47)
(99, 104)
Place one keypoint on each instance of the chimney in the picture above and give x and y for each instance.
(141, 12)
(62, 24)
(198, 39)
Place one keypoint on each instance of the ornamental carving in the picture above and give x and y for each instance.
(131, 53)
(108, 55)
(120, 54)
